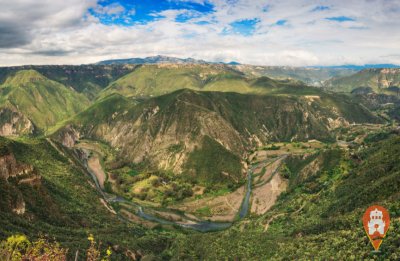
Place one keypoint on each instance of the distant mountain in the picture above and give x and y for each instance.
(158, 79)
(309, 75)
(379, 80)
(359, 67)
(159, 59)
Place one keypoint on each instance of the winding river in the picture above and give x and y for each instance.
(201, 226)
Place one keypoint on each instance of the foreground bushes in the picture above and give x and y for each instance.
(18, 247)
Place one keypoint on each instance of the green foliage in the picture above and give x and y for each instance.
(44, 101)
(64, 205)
(18, 247)
(374, 137)
(85, 79)
(204, 211)
(159, 187)
(320, 218)
(272, 147)
(214, 166)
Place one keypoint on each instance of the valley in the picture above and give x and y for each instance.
(167, 160)
(199, 130)
(205, 212)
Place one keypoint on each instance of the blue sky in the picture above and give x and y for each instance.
(265, 32)
(134, 12)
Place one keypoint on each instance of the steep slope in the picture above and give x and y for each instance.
(319, 217)
(170, 132)
(44, 191)
(154, 80)
(44, 102)
(380, 80)
(86, 79)
(13, 122)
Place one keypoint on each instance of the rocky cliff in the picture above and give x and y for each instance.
(377, 79)
(13, 174)
(165, 131)
(12, 122)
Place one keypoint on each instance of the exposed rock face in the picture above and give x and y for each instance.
(376, 101)
(377, 79)
(165, 130)
(19, 207)
(388, 77)
(139, 140)
(68, 136)
(23, 174)
(10, 168)
(12, 122)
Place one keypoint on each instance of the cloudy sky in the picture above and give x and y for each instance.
(266, 32)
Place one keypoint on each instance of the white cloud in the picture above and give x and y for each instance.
(112, 9)
(48, 31)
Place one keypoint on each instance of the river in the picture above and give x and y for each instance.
(202, 226)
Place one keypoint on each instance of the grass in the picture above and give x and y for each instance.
(44, 101)
(156, 80)
(204, 211)
(206, 165)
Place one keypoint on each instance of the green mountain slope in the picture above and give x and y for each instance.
(86, 79)
(42, 101)
(380, 80)
(319, 217)
(182, 130)
(155, 80)
(45, 191)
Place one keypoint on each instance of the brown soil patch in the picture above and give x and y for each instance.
(95, 166)
(265, 196)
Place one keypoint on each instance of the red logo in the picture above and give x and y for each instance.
(376, 222)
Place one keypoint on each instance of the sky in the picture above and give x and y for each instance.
(258, 32)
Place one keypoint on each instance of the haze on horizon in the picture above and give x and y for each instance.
(291, 32)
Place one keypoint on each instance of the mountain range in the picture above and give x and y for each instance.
(160, 59)
(146, 157)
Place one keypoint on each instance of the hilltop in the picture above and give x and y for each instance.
(85, 79)
(155, 80)
(43, 101)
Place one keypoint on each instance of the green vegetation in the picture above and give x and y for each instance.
(189, 142)
(156, 80)
(213, 166)
(44, 101)
(160, 187)
(272, 147)
(64, 205)
(18, 247)
(86, 79)
(204, 211)
(319, 217)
